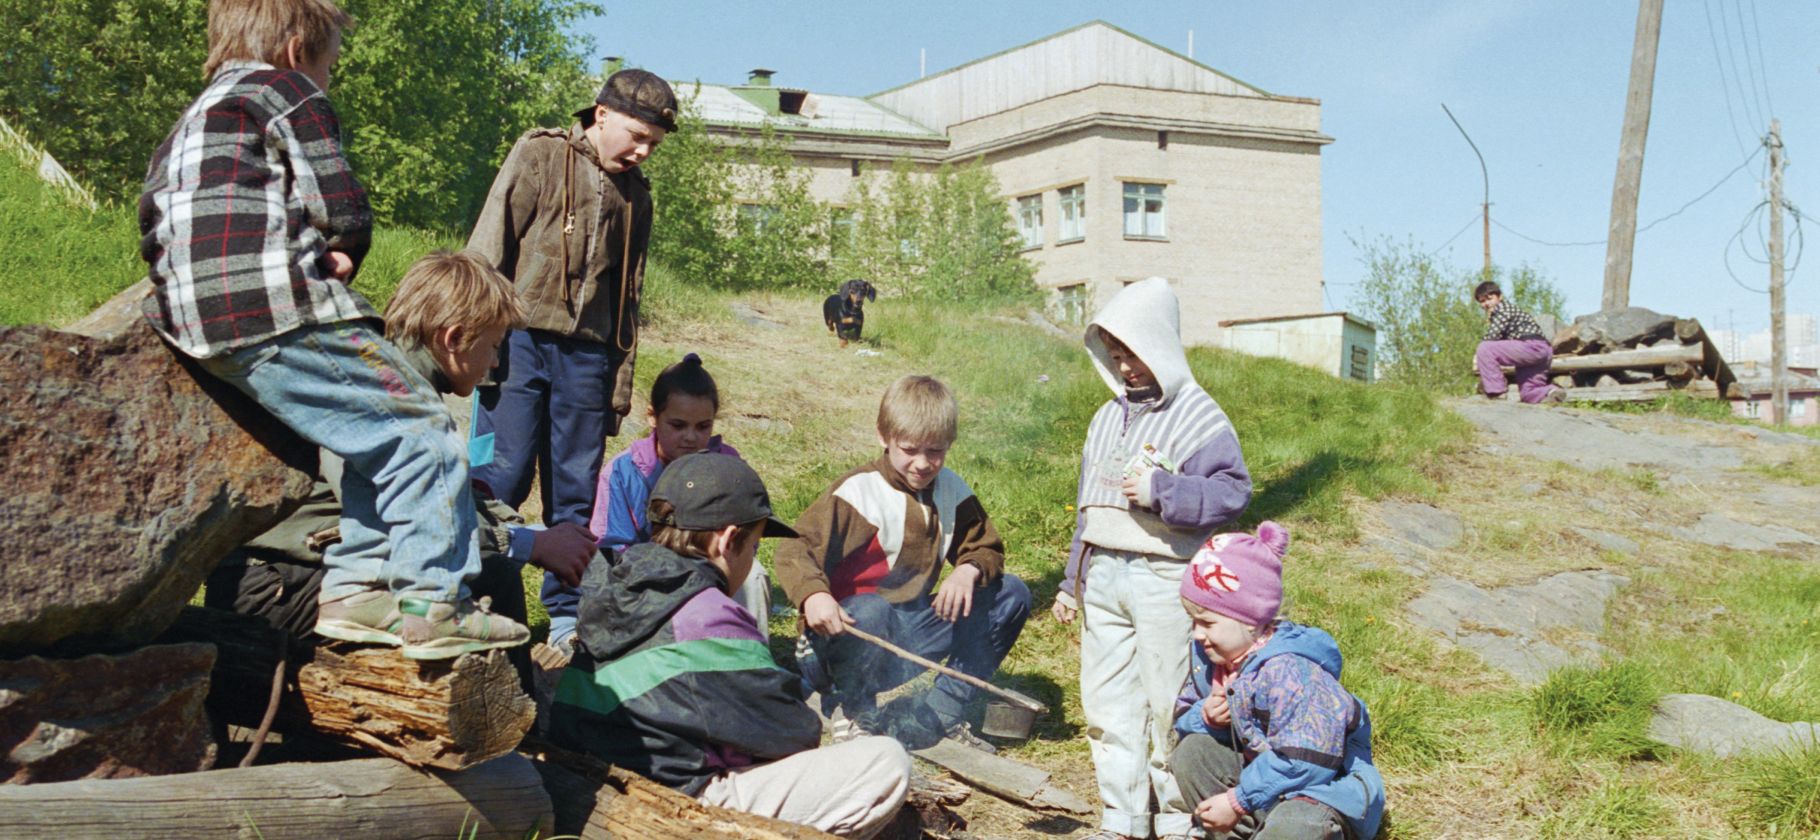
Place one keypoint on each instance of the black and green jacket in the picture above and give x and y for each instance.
(671, 677)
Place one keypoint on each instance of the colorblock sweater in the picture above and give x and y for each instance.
(871, 533)
(671, 678)
(1202, 482)
(1302, 733)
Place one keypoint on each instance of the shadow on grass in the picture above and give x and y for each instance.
(1317, 481)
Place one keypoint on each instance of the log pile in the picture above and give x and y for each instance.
(1637, 354)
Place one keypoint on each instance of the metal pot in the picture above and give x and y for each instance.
(1006, 720)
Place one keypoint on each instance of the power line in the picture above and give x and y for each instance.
(1456, 235)
(1769, 102)
(1744, 44)
(1719, 61)
(1683, 209)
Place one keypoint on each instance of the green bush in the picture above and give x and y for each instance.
(1604, 712)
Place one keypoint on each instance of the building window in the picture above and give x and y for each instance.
(754, 217)
(855, 167)
(1753, 409)
(1144, 211)
(1162, 140)
(1030, 220)
(1071, 304)
(1074, 213)
(1361, 363)
(840, 229)
(1797, 407)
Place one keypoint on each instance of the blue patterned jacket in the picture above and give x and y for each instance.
(1302, 733)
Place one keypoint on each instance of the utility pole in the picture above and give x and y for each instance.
(1778, 331)
(1630, 156)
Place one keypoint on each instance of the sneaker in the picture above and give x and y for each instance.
(962, 734)
(371, 616)
(440, 630)
(1555, 397)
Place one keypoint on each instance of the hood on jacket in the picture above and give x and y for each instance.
(1310, 643)
(623, 603)
(1147, 318)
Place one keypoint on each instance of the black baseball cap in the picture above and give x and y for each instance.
(709, 491)
(641, 94)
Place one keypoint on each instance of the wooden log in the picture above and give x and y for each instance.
(593, 800)
(1620, 393)
(1679, 371)
(1645, 358)
(1703, 388)
(1632, 376)
(374, 799)
(444, 713)
(1689, 331)
(1017, 783)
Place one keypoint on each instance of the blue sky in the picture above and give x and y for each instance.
(1539, 85)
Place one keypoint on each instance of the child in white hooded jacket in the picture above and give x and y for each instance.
(1160, 471)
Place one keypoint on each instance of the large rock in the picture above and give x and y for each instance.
(1514, 628)
(1616, 329)
(106, 717)
(129, 474)
(1722, 728)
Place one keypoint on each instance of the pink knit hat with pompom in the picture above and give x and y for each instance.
(1240, 576)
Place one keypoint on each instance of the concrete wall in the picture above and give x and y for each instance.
(1324, 342)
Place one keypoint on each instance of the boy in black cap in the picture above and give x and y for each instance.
(672, 679)
(567, 221)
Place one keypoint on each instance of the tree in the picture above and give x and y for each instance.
(431, 93)
(947, 235)
(1428, 324)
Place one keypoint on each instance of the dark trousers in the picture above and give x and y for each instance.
(1204, 767)
(973, 645)
(550, 415)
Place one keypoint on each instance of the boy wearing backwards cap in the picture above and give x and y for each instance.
(1269, 738)
(567, 220)
(672, 678)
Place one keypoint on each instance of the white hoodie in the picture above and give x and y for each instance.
(1203, 484)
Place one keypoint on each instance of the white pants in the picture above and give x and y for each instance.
(851, 789)
(1134, 658)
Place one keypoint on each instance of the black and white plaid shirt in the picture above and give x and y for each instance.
(241, 202)
(1510, 322)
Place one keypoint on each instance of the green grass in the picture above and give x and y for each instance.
(1782, 792)
(1598, 712)
(1616, 810)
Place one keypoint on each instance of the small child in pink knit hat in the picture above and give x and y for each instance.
(1268, 734)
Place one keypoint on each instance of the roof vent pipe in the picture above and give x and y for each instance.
(760, 77)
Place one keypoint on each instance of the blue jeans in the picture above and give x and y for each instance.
(550, 415)
(973, 645)
(407, 517)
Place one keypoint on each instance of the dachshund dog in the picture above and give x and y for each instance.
(843, 310)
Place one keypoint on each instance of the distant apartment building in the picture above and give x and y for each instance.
(1119, 160)
(1802, 343)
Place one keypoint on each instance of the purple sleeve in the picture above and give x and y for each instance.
(711, 614)
(1212, 488)
(1077, 556)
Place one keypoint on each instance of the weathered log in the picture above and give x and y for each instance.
(1020, 784)
(105, 716)
(1620, 393)
(444, 713)
(374, 799)
(1679, 371)
(1688, 331)
(1645, 358)
(129, 474)
(1703, 388)
(1632, 376)
(593, 800)
(1569, 341)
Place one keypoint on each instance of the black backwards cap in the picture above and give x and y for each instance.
(710, 491)
(640, 94)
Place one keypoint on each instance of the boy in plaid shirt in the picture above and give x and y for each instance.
(253, 226)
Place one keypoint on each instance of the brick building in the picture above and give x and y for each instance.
(1119, 159)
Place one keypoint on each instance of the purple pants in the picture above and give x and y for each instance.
(1530, 357)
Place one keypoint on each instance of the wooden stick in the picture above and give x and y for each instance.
(1021, 700)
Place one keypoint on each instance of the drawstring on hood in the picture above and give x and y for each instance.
(1147, 318)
